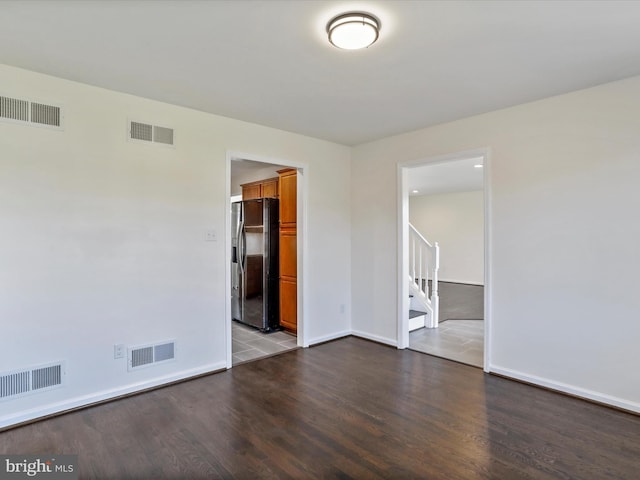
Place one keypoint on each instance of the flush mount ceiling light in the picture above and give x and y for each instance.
(351, 31)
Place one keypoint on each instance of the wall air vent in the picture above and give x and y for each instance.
(45, 114)
(28, 112)
(14, 109)
(164, 352)
(141, 356)
(147, 355)
(31, 380)
(141, 131)
(163, 135)
(146, 132)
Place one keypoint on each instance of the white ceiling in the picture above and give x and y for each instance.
(448, 177)
(240, 167)
(269, 62)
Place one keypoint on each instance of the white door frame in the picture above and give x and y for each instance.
(403, 243)
(301, 241)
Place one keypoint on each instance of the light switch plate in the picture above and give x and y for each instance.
(211, 236)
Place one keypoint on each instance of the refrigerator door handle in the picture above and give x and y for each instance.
(241, 247)
(240, 237)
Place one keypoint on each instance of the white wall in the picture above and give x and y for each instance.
(102, 239)
(563, 186)
(456, 221)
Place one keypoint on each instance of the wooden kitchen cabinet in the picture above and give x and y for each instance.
(288, 198)
(288, 254)
(250, 192)
(287, 187)
(270, 188)
(267, 188)
(288, 305)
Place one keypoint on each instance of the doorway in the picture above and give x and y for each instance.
(253, 276)
(446, 200)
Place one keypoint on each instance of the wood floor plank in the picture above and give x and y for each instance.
(349, 409)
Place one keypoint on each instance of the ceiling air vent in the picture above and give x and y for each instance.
(30, 380)
(34, 113)
(150, 133)
(147, 355)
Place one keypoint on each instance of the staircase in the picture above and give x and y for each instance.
(424, 260)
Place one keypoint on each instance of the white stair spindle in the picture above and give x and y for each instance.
(424, 262)
(413, 259)
(420, 268)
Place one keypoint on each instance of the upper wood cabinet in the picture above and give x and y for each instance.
(270, 188)
(267, 188)
(250, 191)
(288, 198)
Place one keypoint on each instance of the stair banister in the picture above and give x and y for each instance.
(420, 252)
(435, 299)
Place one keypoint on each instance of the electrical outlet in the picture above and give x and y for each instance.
(118, 351)
(342, 308)
(211, 236)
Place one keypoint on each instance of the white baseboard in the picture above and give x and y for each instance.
(566, 388)
(375, 338)
(328, 338)
(465, 282)
(85, 400)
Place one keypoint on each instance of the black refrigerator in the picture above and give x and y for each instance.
(255, 277)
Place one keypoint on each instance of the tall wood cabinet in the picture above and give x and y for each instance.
(287, 192)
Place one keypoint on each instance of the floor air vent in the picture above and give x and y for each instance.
(146, 132)
(147, 355)
(30, 380)
(24, 111)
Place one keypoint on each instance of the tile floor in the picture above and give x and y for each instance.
(250, 343)
(460, 340)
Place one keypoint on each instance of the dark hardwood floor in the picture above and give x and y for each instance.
(345, 409)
